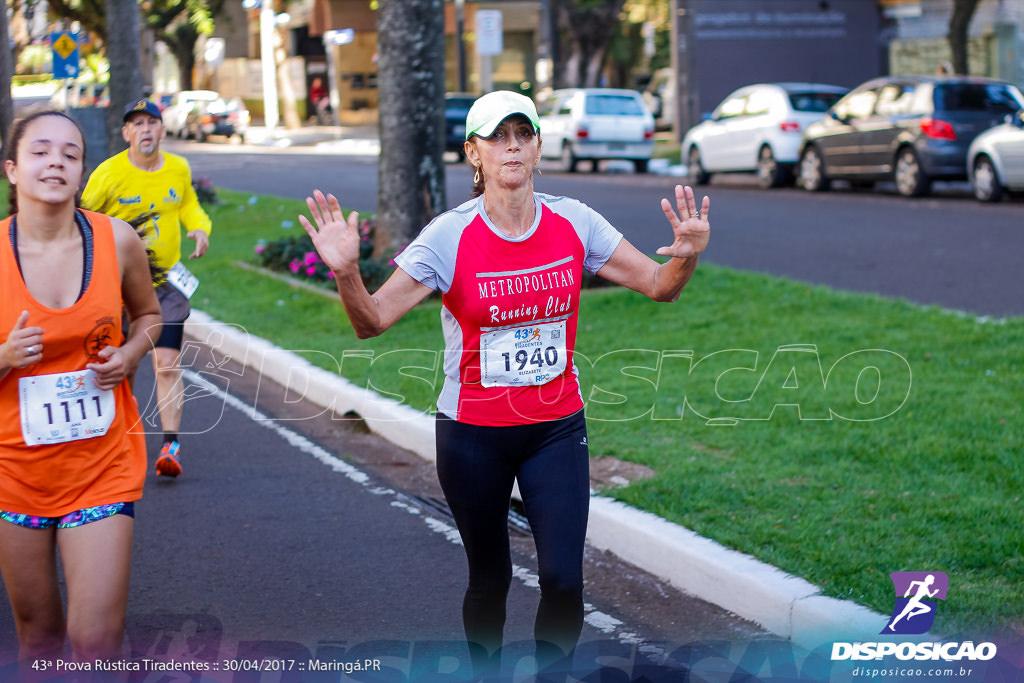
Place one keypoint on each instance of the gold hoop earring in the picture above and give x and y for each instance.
(476, 176)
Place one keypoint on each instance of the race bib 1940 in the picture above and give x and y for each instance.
(63, 407)
(523, 356)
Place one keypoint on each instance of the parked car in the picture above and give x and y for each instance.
(227, 117)
(174, 114)
(909, 129)
(757, 128)
(456, 107)
(995, 160)
(596, 124)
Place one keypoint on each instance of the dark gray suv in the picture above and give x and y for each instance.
(909, 129)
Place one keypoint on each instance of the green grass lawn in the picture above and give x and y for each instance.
(905, 452)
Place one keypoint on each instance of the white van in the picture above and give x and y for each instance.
(596, 124)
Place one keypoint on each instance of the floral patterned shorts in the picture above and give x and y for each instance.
(72, 519)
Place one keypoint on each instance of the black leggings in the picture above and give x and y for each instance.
(476, 467)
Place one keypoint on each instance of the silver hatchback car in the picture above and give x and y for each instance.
(596, 124)
(995, 160)
(757, 128)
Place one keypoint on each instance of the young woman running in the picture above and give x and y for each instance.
(72, 452)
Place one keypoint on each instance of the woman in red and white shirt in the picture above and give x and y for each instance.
(509, 264)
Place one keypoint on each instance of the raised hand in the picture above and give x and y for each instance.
(690, 226)
(335, 239)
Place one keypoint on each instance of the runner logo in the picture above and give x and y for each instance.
(916, 592)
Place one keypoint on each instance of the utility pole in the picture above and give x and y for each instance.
(683, 66)
(271, 115)
(460, 41)
(544, 61)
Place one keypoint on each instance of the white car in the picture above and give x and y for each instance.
(596, 124)
(181, 104)
(757, 128)
(995, 160)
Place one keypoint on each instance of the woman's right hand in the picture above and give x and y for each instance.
(335, 238)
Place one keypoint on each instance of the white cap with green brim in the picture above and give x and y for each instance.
(489, 111)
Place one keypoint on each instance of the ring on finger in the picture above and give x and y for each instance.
(30, 350)
(695, 214)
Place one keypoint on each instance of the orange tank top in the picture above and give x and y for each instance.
(53, 479)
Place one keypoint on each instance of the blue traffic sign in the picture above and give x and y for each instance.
(65, 54)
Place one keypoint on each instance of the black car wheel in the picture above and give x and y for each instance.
(911, 180)
(812, 171)
(568, 158)
(985, 182)
(769, 172)
(695, 169)
(640, 165)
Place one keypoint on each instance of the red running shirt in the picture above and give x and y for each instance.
(510, 307)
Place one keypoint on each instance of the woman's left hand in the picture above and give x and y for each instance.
(690, 226)
(111, 369)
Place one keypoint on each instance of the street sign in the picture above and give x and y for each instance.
(65, 54)
(341, 36)
(213, 52)
(488, 32)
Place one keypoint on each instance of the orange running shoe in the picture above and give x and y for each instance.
(167, 464)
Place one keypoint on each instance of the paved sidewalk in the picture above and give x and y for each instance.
(308, 135)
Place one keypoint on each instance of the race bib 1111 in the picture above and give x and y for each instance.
(64, 407)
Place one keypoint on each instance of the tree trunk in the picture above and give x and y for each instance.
(125, 72)
(959, 23)
(411, 189)
(182, 42)
(594, 68)
(558, 71)
(591, 25)
(6, 72)
(147, 56)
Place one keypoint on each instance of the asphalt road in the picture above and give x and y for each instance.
(292, 535)
(947, 250)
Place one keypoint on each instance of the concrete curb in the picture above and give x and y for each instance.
(785, 605)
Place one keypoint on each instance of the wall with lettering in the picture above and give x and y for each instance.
(739, 42)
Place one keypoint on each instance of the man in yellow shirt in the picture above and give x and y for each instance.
(142, 180)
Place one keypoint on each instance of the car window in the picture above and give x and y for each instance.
(858, 105)
(733, 106)
(613, 105)
(988, 97)
(895, 99)
(816, 102)
(760, 102)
